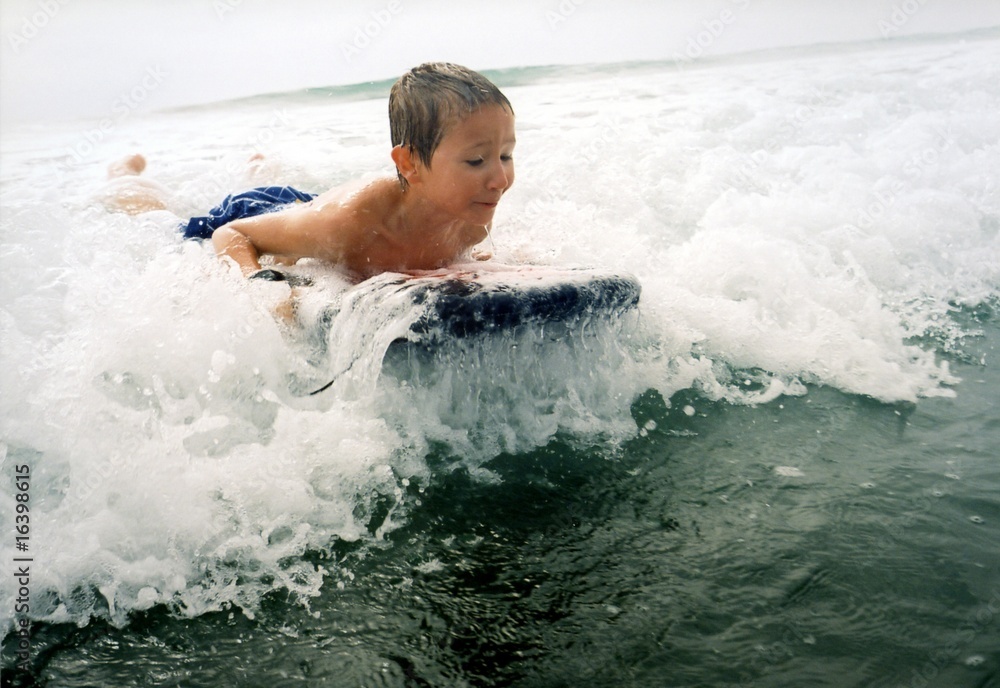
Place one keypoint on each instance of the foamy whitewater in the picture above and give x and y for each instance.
(800, 219)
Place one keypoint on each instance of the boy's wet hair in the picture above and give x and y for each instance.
(426, 100)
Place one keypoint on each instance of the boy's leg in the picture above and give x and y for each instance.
(127, 192)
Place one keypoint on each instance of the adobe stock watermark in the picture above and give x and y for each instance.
(901, 15)
(224, 7)
(22, 561)
(365, 33)
(565, 10)
(976, 623)
(122, 108)
(748, 167)
(33, 24)
(96, 476)
(209, 192)
(608, 135)
(116, 284)
(712, 31)
(914, 168)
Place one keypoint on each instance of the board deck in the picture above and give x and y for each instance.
(476, 302)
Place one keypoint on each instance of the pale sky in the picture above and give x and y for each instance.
(76, 58)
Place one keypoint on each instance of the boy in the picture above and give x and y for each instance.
(452, 134)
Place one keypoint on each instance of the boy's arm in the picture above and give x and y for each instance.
(296, 232)
(230, 243)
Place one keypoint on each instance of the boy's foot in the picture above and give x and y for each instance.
(259, 169)
(130, 165)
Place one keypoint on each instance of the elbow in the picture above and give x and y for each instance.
(223, 239)
(230, 243)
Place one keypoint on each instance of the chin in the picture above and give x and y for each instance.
(483, 214)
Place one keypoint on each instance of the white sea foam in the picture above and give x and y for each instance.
(796, 219)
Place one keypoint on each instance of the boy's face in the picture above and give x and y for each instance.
(473, 165)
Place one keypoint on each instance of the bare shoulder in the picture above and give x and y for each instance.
(370, 196)
(344, 223)
(350, 207)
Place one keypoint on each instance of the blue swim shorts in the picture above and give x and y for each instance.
(264, 199)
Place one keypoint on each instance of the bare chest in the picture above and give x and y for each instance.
(384, 252)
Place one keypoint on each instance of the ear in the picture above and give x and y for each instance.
(405, 163)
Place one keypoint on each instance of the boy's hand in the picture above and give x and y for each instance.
(271, 275)
(286, 310)
(443, 273)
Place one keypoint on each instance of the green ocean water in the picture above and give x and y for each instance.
(823, 540)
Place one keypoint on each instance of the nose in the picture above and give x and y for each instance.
(501, 176)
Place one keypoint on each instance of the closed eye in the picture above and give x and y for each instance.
(479, 161)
